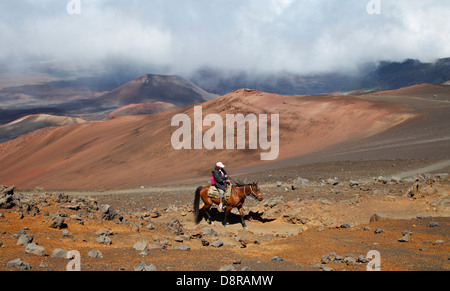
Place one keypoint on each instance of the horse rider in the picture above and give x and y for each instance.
(220, 181)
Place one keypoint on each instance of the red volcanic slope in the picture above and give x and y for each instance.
(143, 109)
(422, 90)
(34, 122)
(136, 150)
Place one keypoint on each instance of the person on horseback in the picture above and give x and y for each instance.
(220, 181)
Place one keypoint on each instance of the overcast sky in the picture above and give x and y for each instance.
(300, 36)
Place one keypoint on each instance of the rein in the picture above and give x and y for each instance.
(245, 186)
(251, 191)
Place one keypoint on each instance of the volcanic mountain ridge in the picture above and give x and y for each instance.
(131, 151)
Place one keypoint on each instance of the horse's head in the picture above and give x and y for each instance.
(256, 192)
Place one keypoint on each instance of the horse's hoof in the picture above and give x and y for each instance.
(246, 227)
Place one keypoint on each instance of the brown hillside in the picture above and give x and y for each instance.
(136, 150)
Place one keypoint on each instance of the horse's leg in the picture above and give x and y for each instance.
(241, 212)
(227, 212)
(206, 209)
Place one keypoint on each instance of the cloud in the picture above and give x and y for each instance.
(301, 36)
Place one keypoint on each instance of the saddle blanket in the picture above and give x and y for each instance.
(214, 193)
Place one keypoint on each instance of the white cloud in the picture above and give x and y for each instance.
(292, 35)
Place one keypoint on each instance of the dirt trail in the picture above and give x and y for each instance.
(429, 169)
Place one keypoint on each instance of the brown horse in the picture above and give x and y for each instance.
(237, 199)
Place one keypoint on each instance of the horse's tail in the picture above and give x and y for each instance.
(197, 205)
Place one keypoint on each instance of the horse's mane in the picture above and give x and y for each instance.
(240, 184)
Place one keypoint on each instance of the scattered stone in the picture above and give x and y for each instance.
(209, 232)
(34, 249)
(178, 239)
(378, 217)
(217, 243)
(185, 247)
(104, 232)
(433, 224)
(407, 232)
(379, 230)
(227, 268)
(17, 234)
(156, 246)
(24, 239)
(350, 260)
(144, 267)
(76, 217)
(104, 240)
(150, 226)
(59, 253)
(44, 265)
(362, 259)
(345, 225)
(404, 239)
(277, 259)
(57, 221)
(395, 179)
(353, 184)
(328, 258)
(95, 254)
(109, 213)
(325, 201)
(71, 207)
(67, 234)
(438, 242)
(18, 264)
(175, 227)
(382, 179)
(333, 182)
(7, 200)
(140, 245)
(323, 268)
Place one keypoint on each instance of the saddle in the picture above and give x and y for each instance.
(214, 193)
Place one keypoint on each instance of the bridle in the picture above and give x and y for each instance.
(252, 191)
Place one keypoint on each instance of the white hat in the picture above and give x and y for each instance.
(220, 165)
